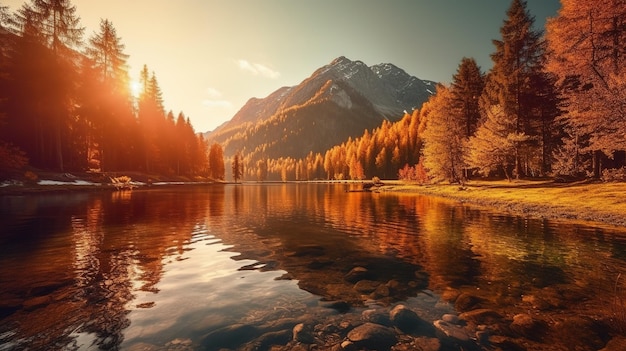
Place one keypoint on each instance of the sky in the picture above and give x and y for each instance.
(211, 56)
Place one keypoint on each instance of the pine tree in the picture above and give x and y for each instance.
(262, 170)
(517, 59)
(152, 118)
(467, 86)
(107, 52)
(216, 162)
(106, 101)
(237, 167)
(52, 24)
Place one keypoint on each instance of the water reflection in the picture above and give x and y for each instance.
(115, 270)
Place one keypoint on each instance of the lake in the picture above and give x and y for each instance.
(238, 266)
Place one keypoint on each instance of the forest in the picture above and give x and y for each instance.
(553, 104)
(67, 104)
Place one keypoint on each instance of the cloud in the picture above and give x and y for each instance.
(217, 103)
(257, 69)
(214, 99)
(213, 93)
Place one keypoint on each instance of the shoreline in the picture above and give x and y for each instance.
(597, 204)
(591, 203)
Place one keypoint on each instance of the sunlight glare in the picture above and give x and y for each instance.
(135, 88)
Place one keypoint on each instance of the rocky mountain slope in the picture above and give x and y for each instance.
(338, 101)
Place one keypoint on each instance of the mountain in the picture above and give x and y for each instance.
(338, 101)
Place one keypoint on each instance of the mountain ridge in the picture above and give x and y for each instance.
(339, 100)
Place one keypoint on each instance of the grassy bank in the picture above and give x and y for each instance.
(584, 201)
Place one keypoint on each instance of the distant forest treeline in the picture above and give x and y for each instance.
(552, 104)
(67, 104)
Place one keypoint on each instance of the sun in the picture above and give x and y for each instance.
(135, 88)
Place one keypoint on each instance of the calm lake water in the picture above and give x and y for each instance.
(176, 266)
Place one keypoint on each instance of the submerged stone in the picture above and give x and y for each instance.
(452, 331)
(366, 286)
(356, 274)
(526, 326)
(302, 334)
(230, 336)
(376, 316)
(405, 319)
(372, 336)
(466, 302)
(481, 316)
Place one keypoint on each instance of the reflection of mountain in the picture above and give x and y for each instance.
(337, 101)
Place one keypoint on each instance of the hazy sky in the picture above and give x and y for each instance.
(211, 56)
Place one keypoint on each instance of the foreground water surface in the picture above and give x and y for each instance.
(200, 267)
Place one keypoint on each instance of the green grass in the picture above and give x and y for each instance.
(586, 201)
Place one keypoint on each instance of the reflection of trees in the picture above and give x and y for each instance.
(84, 258)
(317, 234)
(116, 245)
(448, 256)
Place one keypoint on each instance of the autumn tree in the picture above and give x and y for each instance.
(444, 137)
(495, 145)
(262, 170)
(508, 92)
(216, 162)
(237, 167)
(201, 156)
(586, 42)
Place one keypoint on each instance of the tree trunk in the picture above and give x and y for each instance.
(58, 146)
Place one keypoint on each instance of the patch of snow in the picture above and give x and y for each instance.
(10, 183)
(56, 182)
(176, 183)
(342, 98)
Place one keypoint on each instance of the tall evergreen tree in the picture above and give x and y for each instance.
(108, 103)
(54, 25)
(107, 52)
(237, 167)
(216, 162)
(517, 59)
(152, 121)
(467, 86)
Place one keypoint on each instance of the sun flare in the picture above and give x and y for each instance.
(135, 88)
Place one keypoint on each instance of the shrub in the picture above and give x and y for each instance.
(30, 177)
(614, 175)
(11, 158)
(417, 173)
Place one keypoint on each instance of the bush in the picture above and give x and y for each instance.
(30, 177)
(417, 173)
(11, 158)
(614, 175)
